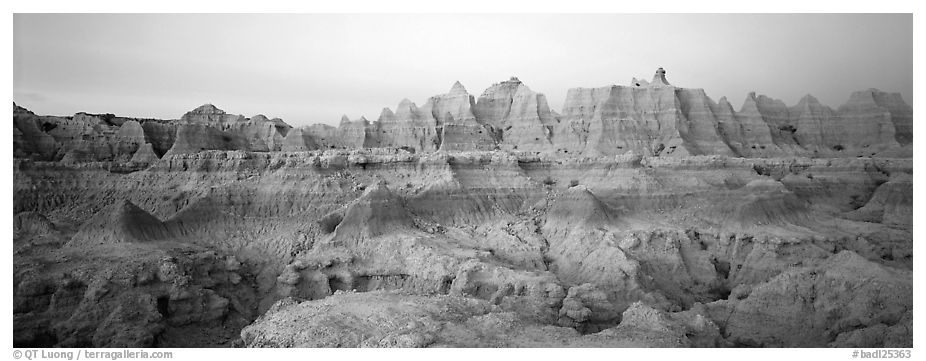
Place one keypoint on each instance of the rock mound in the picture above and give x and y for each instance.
(645, 326)
(120, 222)
(891, 204)
(145, 155)
(32, 223)
(579, 207)
(130, 296)
(389, 319)
(811, 306)
(659, 79)
(378, 211)
(768, 202)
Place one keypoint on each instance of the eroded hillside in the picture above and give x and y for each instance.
(642, 216)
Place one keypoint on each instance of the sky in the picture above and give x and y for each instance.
(312, 68)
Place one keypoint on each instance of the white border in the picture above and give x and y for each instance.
(476, 6)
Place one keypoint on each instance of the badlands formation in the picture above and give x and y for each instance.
(645, 215)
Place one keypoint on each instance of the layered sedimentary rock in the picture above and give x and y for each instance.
(652, 118)
(551, 242)
(815, 126)
(210, 114)
(28, 136)
(901, 114)
(606, 121)
(299, 140)
(119, 222)
(265, 134)
(144, 156)
(408, 127)
(161, 135)
(647, 216)
(356, 133)
(457, 124)
(891, 204)
(700, 124)
(381, 319)
(86, 137)
(313, 137)
(83, 138)
(130, 136)
(192, 138)
(210, 128)
(124, 295)
(866, 124)
(658, 118)
(521, 118)
(810, 306)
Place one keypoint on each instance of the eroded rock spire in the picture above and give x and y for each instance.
(660, 78)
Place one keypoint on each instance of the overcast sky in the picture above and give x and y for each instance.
(313, 68)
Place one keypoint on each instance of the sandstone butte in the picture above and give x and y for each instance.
(645, 215)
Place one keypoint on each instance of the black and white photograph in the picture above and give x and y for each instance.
(461, 180)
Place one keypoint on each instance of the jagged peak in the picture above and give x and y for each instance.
(405, 103)
(353, 124)
(639, 82)
(809, 98)
(406, 109)
(457, 89)
(207, 108)
(345, 119)
(386, 113)
(523, 90)
(508, 87)
(280, 123)
(144, 154)
(751, 103)
(659, 79)
(765, 100)
(20, 110)
(809, 105)
(763, 104)
(124, 210)
(363, 120)
(808, 101)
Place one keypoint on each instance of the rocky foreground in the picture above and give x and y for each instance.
(643, 216)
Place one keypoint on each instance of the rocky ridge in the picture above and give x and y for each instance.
(650, 118)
